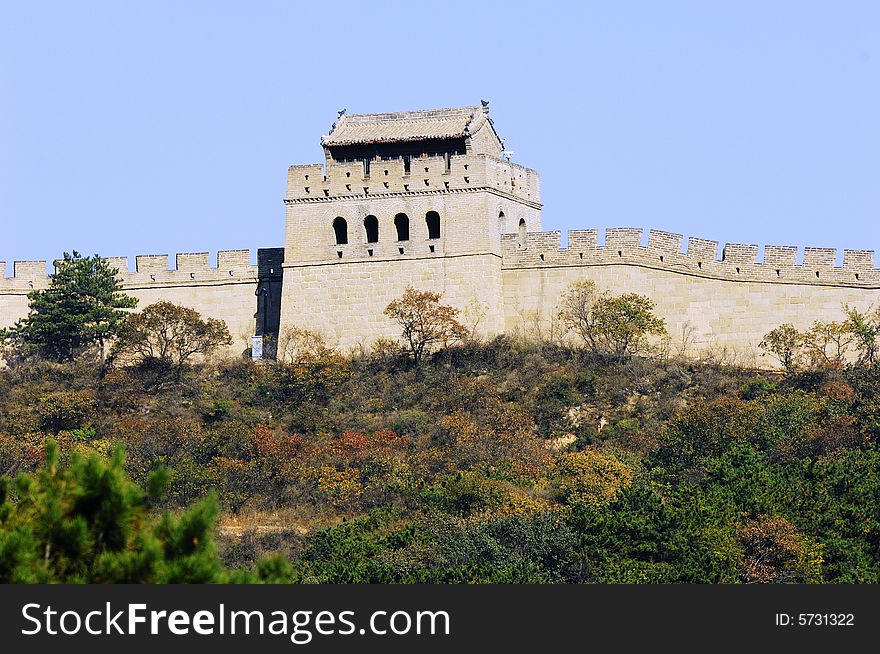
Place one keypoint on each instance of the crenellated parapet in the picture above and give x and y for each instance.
(736, 262)
(418, 175)
(26, 276)
(190, 268)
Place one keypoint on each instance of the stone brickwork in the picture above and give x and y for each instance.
(342, 288)
(708, 302)
(737, 263)
(472, 232)
(227, 291)
(345, 301)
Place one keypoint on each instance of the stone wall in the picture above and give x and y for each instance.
(711, 297)
(227, 291)
(315, 182)
(709, 302)
(341, 290)
(345, 301)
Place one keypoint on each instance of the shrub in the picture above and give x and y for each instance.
(786, 344)
(591, 478)
(865, 328)
(219, 410)
(613, 325)
(66, 410)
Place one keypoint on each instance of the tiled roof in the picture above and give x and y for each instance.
(402, 126)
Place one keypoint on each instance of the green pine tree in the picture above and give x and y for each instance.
(87, 522)
(81, 309)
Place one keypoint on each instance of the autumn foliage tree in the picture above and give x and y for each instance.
(865, 328)
(425, 323)
(612, 325)
(170, 334)
(576, 311)
(786, 344)
(827, 344)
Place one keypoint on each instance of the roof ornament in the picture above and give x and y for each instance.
(339, 115)
(485, 104)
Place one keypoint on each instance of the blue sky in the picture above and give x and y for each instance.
(162, 127)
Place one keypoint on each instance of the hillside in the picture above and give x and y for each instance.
(503, 461)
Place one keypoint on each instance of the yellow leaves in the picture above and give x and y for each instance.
(519, 503)
(591, 478)
(461, 426)
(776, 552)
(102, 446)
(339, 486)
(304, 346)
(227, 464)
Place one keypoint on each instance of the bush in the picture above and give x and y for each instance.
(612, 325)
(67, 410)
(786, 344)
(591, 479)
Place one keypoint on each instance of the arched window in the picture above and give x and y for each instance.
(432, 219)
(502, 223)
(371, 228)
(401, 223)
(340, 229)
(522, 232)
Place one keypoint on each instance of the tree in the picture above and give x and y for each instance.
(623, 323)
(576, 311)
(168, 333)
(424, 321)
(827, 343)
(298, 345)
(865, 328)
(615, 325)
(786, 344)
(775, 552)
(82, 308)
(88, 523)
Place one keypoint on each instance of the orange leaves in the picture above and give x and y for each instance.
(425, 323)
(272, 445)
(497, 433)
(357, 445)
(226, 464)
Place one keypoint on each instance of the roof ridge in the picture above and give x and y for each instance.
(416, 114)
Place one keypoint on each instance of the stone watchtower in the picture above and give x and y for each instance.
(415, 198)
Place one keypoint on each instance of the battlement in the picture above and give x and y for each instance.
(396, 176)
(737, 262)
(190, 268)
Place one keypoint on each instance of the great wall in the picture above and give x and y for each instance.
(427, 199)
